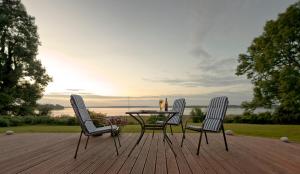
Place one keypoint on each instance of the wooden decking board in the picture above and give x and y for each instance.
(250, 163)
(102, 167)
(277, 161)
(161, 161)
(53, 153)
(107, 153)
(172, 167)
(202, 162)
(25, 145)
(33, 158)
(195, 168)
(129, 163)
(231, 156)
(114, 165)
(107, 157)
(182, 163)
(151, 157)
(228, 165)
(218, 166)
(141, 160)
(85, 156)
(275, 152)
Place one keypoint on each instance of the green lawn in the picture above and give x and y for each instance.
(271, 131)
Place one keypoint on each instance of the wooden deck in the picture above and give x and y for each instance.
(53, 153)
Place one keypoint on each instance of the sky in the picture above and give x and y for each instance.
(148, 49)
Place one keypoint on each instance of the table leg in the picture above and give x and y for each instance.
(137, 142)
(141, 134)
(169, 142)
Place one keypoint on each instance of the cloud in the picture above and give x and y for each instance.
(219, 65)
(199, 51)
(212, 73)
(201, 81)
(235, 97)
(75, 90)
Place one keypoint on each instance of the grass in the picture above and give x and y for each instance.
(270, 131)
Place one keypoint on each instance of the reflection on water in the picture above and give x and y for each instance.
(121, 111)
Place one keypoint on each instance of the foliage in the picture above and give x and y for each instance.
(6, 121)
(264, 118)
(98, 118)
(120, 121)
(154, 118)
(197, 115)
(22, 77)
(45, 109)
(272, 63)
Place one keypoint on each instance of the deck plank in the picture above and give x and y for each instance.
(161, 161)
(114, 162)
(53, 153)
(131, 160)
(139, 165)
(151, 158)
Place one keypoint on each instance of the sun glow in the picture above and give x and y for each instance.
(70, 76)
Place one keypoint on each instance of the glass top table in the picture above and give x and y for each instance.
(137, 116)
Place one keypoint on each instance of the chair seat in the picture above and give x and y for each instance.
(194, 128)
(104, 129)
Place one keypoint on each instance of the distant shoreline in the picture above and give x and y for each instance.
(192, 106)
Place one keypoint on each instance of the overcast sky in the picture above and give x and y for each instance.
(149, 47)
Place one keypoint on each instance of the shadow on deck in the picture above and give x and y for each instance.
(53, 153)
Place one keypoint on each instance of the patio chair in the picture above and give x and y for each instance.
(87, 125)
(178, 106)
(213, 121)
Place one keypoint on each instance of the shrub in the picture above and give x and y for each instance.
(197, 115)
(4, 122)
(64, 120)
(31, 120)
(153, 118)
(98, 118)
(16, 121)
(120, 121)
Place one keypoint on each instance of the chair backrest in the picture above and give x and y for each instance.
(82, 114)
(215, 114)
(178, 106)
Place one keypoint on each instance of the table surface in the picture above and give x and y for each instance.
(151, 112)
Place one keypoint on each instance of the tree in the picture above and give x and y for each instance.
(272, 63)
(22, 76)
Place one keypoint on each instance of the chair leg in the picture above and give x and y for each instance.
(199, 143)
(119, 139)
(152, 133)
(206, 137)
(171, 130)
(224, 138)
(87, 140)
(114, 138)
(182, 139)
(183, 131)
(183, 135)
(78, 144)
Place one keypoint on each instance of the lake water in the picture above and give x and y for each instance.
(121, 111)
